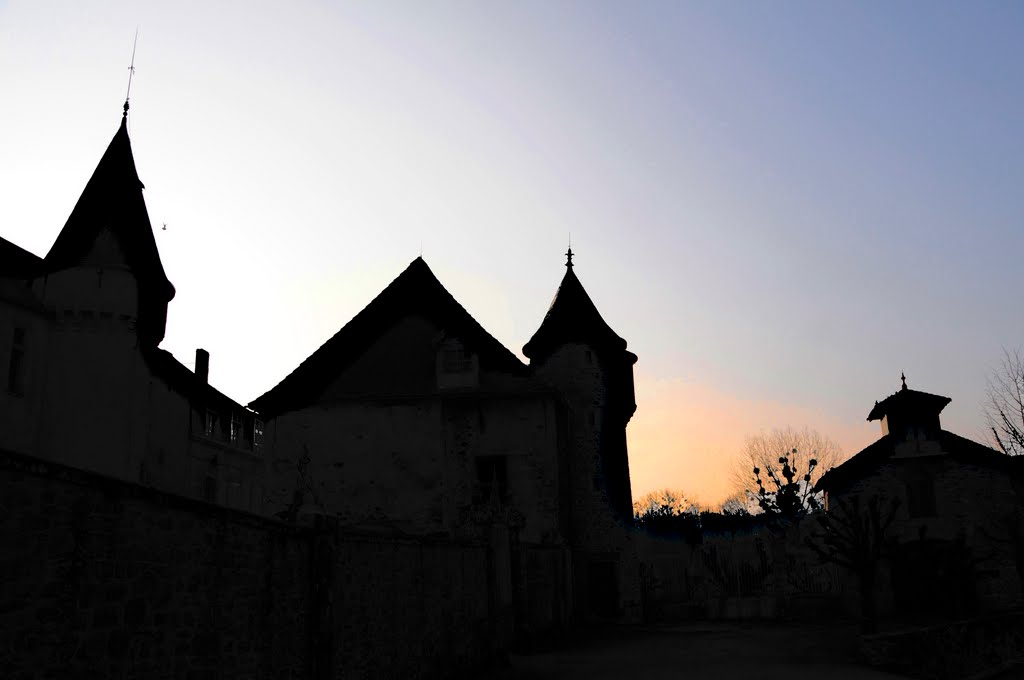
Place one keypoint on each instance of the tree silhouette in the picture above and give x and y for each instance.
(791, 494)
(762, 450)
(1004, 405)
(855, 536)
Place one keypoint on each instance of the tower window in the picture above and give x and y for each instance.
(16, 365)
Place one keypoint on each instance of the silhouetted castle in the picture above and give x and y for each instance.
(411, 418)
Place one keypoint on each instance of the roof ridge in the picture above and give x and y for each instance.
(387, 307)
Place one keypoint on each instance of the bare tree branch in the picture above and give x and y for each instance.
(1004, 404)
(763, 451)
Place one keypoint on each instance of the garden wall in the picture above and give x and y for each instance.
(103, 578)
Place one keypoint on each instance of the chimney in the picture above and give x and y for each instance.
(203, 365)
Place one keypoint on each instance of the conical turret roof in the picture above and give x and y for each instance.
(112, 200)
(572, 317)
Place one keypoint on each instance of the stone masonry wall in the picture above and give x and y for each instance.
(102, 578)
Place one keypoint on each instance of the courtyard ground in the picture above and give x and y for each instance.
(763, 651)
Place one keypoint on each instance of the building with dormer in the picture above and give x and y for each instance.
(956, 542)
(84, 381)
(411, 419)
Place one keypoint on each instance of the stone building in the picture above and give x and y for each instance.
(83, 380)
(412, 419)
(956, 538)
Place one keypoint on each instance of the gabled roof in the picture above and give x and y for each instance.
(573, 317)
(417, 292)
(113, 200)
(959, 449)
(16, 262)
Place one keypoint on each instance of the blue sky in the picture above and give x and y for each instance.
(781, 206)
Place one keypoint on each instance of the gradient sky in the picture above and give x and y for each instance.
(781, 206)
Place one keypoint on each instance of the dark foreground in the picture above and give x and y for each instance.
(712, 650)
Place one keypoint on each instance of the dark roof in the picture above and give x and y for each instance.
(572, 317)
(416, 291)
(907, 400)
(959, 449)
(185, 382)
(16, 262)
(113, 199)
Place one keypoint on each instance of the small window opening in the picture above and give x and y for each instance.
(16, 365)
(257, 436)
(492, 478)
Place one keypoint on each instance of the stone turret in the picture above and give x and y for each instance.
(578, 354)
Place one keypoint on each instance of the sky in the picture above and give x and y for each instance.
(780, 206)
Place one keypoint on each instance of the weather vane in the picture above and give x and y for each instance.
(131, 72)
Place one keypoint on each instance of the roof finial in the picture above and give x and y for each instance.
(568, 258)
(904, 379)
(131, 72)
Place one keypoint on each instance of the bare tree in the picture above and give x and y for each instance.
(664, 501)
(764, 450)
(1004, 404)
(856, 536)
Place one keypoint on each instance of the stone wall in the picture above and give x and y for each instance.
(973, 503)
(103, 578)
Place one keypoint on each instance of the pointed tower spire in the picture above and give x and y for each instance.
(572, 317)
(112, 205)
(903, 377)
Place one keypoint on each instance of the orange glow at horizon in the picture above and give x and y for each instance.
(685, 435)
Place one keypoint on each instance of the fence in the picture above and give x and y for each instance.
(757, 574)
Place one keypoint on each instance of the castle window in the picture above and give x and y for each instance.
(492, 478)
(16, 365)
(211, 419)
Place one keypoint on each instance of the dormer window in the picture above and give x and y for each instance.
(457, 366)
(257, 436)
(236, 428)
(455, 358)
